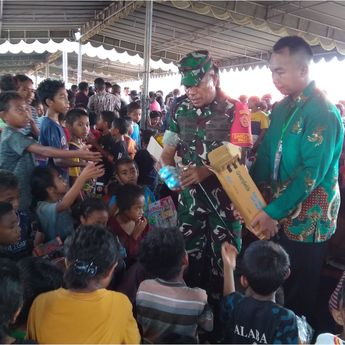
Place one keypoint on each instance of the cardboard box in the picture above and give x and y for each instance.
(236, 182)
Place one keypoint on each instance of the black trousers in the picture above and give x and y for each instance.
(301, 288)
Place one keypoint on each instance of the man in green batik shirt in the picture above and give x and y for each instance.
(200, 121)
(298, 161)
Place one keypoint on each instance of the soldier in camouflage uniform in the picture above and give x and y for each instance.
(200, 122)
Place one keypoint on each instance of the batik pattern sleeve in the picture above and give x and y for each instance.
(320, 135)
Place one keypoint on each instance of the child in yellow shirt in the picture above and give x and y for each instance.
(85, 312)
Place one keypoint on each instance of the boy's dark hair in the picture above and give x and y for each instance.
(8, 180)
(8, 83)
(92, 118)
(74, 87)
(152, 94)
(74, 115)
(295, 44)
(21, 78)
(6, 97)
(99, 84)
(160, 100)
(108, 117)
(121, 124)
(154, 114)
(36, 101)
(127, 195)
(107, 85)
(265, 265)
(48, 88)
(124, 161)
(132, 106)
(38, 276)
(91, 254)
(147, 134)
(5, 208)
(83, 86)
(116, 88)
(11, 296)
(41, 179)
(87, 206)
(161, 252)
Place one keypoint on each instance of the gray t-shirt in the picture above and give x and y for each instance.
(15, 158)
(54, 223)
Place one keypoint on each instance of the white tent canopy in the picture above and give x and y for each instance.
(87, 49)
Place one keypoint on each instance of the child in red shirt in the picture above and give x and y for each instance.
(129, 224)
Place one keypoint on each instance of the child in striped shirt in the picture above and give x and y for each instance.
(166, 306)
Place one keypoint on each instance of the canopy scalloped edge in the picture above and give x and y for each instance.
(87, 49)
(240, 19)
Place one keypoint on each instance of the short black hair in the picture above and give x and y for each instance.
(154, 114)
(11, 297)
(116, 87)
(107, 84)
(147, 134)
(38, 275)
(83, 86)
(92, 118)
(91, 254)
(8, 96)
(74, 115)
(8, 83)
(41, 179)
(124, 161)
(108, 117)
(132, 106)
(36, 101)
(295, 44)
(265, 265)
(127, 195)
(22, 78)
(99, 83)
(8, 181)
(74, 87)
(121, 124)
(87, 206)
(161, 253)
(152, 94)
(48, 89)
(5, 208)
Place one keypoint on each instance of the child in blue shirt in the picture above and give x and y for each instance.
(54, 199)
(255, 318)
(20, 244)
(126, 171)
(54, 95)
(134, 112)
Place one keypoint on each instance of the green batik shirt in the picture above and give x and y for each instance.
(306, 192)
(198, 131)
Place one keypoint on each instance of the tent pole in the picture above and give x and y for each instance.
(47, 70)
(65, 67)
(147, 57)
(80, 61)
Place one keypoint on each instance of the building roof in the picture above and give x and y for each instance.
(238, 33)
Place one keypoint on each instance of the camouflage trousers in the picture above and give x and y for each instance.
(204, 231)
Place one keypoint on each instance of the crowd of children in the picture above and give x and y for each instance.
(80, 261)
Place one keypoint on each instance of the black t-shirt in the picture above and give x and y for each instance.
(250, 321)
(116, 149)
